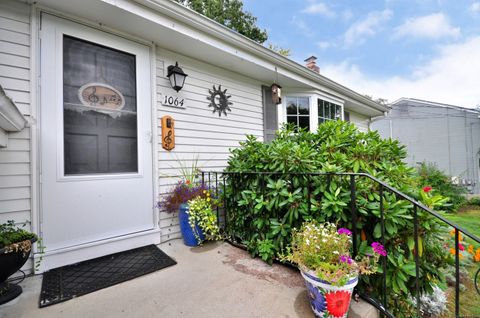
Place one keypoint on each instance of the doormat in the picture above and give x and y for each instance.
(64, 283)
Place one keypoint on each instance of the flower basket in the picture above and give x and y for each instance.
(322, 253)
(326, 299)
(188, 234)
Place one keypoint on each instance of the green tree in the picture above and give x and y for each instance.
(231, 14)
(280, 50)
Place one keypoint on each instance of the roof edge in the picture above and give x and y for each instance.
(422, 101)
(194, 19)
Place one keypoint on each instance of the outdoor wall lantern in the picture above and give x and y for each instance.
(276, 93)
(176, 76)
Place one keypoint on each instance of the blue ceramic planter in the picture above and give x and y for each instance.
(187, 233)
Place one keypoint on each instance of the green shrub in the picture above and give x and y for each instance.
(264, 209)
(474, 201)
(430, 175)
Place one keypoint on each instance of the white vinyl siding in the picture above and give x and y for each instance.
(15, 169)
(198, 131)
(361, 121)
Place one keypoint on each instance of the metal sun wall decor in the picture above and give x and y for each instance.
(219, 100)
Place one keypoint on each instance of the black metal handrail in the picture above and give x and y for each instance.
(207, 177)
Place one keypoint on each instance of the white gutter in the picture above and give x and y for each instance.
(11, 119)
(206, 25)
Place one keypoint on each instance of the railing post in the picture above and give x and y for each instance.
(203, 178)
(309, 194)
(457, 274)
(262, 187)
(353, 208)
(384, 259)
(417, 270)
(216, 198)
(225, 201)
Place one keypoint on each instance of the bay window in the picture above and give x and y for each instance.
(310, 110)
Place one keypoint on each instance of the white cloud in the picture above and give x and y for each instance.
(360, 30)
(475, 7)
(320, 9)
(323, 45)
(433, 26)
(451, 77)
(301, 25)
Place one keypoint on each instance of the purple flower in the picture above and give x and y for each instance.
(345, 259)
(343, 230)
(379, 249)
(317, 300)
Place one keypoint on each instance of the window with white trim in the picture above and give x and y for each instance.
(298, 111)
(328, 111)
(309, 110)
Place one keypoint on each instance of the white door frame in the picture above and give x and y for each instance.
(107, 246)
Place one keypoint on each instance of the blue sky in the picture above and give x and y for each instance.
(427, 49)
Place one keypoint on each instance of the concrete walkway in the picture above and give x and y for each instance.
(215, 280)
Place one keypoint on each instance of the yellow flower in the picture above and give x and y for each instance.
(476, 257)
(208, 199)
(470, 249)
(204, 191)
(452, 251)
(452, 233)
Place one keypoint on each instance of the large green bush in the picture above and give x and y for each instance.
(263, 209)
(430, 175)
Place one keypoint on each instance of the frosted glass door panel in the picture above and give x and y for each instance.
(99, 109)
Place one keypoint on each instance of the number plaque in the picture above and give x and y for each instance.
(173, 101)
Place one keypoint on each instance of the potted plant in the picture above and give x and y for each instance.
(15, 247)
(322, 254)
(177, 201)
(202, 218)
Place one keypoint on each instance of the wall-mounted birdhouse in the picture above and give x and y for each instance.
(276, 93)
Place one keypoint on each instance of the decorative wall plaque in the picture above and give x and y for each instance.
(101, 95)
(219, 100)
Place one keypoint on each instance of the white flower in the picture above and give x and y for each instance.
(308, 242)
(335, 252)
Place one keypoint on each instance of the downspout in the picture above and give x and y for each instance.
(11, 119)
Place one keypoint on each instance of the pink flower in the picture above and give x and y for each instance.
(343, 230)
(460, 247)
(379, 249)
(427, 189)
(345, 259)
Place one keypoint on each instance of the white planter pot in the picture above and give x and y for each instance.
(327, 300)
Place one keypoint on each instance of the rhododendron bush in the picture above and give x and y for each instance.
(264, 209)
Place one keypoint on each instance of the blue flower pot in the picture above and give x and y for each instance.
(187, 233)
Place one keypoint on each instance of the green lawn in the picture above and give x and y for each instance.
(468, 218)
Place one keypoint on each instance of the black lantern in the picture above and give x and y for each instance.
(276, 93)
(176, 76)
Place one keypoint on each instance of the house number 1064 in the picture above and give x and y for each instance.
(169, 100)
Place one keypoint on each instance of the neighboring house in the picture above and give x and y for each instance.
(446, 135)
(90, 76)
